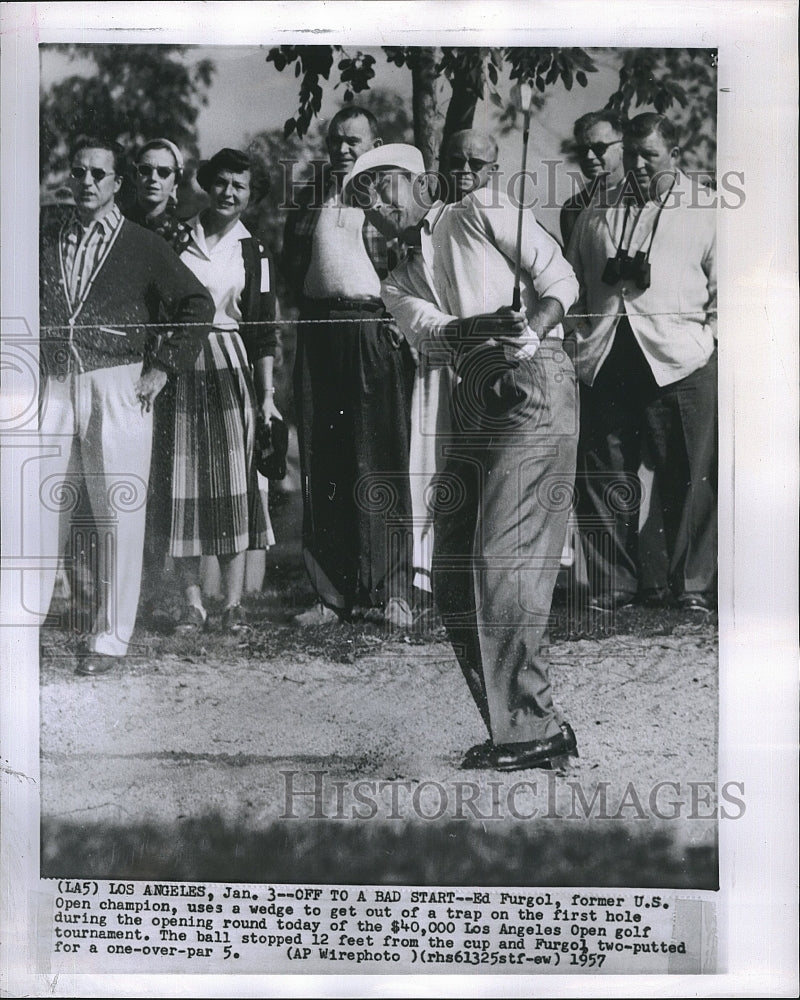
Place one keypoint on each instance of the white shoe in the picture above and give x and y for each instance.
(398, 613)
(318, 615)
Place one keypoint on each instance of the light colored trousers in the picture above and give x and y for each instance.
(430, 426)
(93, 430)
(500, 521)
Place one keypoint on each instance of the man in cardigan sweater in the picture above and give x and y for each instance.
(103, 280)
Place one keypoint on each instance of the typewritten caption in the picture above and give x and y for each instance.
(91, 926)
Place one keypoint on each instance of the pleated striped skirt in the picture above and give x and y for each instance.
(217, 505)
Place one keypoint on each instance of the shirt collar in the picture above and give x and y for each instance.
(237, 233)
(412, 236)
(425, 229)
(432, 217)
(108, 222)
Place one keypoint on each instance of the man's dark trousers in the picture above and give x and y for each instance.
(353, 382)
(619, 413)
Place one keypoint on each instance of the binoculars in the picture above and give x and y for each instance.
(623, 267)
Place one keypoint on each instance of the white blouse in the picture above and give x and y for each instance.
(220, 269)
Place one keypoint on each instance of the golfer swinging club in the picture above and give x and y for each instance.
(511, 454)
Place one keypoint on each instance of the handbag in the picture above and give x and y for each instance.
(272, 443)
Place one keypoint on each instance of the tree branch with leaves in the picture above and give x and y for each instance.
(472, 74)
(134, 93)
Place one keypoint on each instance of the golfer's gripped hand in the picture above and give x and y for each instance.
(504, 322)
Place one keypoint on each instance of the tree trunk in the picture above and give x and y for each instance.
(425, 107)
(461, 109)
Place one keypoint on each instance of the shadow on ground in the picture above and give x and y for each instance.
(326, 852)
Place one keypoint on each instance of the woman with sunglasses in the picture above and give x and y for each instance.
(217, 507)
(157, 173)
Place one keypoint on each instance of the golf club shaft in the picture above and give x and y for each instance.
(516, 299)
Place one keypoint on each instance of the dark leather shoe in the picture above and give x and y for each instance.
(607, 603)
(234, 620)
(475, 754)
(695, 602)
(95, 664)
(191, 620)
(521, 756)
(517, 756)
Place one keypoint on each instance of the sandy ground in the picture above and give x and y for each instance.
(218, 728)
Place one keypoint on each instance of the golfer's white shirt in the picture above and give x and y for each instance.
(467, 267)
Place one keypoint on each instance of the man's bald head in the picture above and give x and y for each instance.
(468, 162)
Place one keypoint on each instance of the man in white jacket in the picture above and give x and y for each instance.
(505, 492)
(647, 361)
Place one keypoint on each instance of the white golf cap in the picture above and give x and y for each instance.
(399, 155)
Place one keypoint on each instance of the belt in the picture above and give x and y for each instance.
(370, 304)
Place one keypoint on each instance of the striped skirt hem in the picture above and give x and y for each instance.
(217, 506)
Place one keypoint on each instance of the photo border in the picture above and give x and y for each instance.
(757, 134)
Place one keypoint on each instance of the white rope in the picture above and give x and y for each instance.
(339, 322)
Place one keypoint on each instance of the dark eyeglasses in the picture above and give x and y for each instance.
(97, 174)
(464, 163)
(598, 148)
(146, 170)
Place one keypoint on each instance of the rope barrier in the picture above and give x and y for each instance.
(337, 322)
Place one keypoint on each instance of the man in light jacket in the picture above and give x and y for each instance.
(647, 361)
